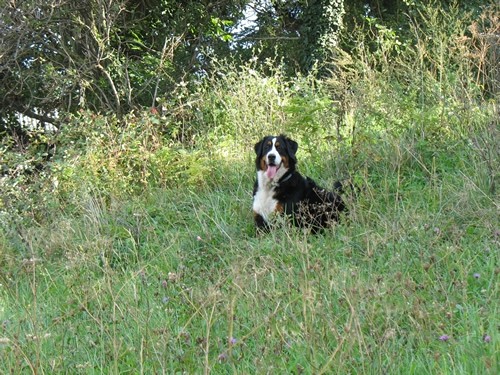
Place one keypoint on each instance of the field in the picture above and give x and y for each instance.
(175, 280)
(132, 248)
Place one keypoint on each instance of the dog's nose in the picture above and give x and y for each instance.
(271, 158)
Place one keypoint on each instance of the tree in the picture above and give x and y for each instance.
(60, 56)
(300, 32)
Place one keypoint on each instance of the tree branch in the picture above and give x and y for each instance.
(18, 107)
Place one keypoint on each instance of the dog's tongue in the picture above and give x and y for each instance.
(271, 171)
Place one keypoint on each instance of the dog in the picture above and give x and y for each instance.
(280, 189)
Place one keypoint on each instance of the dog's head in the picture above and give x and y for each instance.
(275, 156)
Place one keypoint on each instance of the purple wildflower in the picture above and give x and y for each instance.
(486, 338)
(476, 275)
(222, 357)
(444, 338)
(232, 340)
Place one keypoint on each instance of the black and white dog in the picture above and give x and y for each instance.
(280, 188)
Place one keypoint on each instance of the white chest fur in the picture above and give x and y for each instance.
(264, 203)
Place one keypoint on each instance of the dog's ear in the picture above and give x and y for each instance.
(291, 148)
(258, 147)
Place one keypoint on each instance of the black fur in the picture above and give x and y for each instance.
(300, 198)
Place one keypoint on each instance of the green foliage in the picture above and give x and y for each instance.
(425, 82)
(175, 281)
(127, 242)
(299, 33)
(126, 156)
(241, 101)
(59, 58)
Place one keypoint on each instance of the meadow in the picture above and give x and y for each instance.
(133, 250)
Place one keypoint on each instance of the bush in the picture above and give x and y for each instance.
(392, 89)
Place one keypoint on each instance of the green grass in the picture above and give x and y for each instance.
(175, 281)
(133, 249)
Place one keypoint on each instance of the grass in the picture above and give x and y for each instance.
(175, 281)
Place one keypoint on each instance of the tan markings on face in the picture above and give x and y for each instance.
(263, 165)
(279, 208)
(284, 160)
(277, 144)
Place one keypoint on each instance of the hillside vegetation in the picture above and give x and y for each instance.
(127, 242)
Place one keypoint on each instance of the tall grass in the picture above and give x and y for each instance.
(134, 251)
